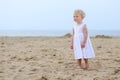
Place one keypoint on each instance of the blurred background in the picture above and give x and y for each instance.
(55, 17)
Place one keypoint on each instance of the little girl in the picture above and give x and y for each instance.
(80, 40)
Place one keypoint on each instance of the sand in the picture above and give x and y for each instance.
(50, 58)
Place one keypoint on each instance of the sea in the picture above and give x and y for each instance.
(92, 33)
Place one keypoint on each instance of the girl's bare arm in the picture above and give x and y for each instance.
(85, 33)
(71, 46)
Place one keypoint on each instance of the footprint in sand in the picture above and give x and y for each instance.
(109, 52)
(2, 46)
(117, 47)
(44, 50)
(2, 43)
(13, 67)
(99, 47)
(30, 58)
(42, 78)
(13, 57)
(116, 71)
(117, 60)
(1, 72)
(96, 78)
(21, 69)
(35, 69)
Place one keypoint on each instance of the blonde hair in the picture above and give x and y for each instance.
(81, 12)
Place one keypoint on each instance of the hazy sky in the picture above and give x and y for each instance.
(58, 14)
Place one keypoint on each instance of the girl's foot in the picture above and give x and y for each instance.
(87, 66)
(79, 63)
(79, 66)
(86, 63)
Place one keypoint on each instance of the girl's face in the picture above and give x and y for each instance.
(77, 18)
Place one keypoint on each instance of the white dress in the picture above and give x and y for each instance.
(87, 51)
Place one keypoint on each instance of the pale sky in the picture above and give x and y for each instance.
(58, 14)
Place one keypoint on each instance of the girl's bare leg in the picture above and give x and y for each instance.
(79, 63)
(86, 63)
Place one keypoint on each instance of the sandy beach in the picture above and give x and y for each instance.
(50, 58)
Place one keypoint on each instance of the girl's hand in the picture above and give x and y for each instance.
(83, 45)
(71, 46)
